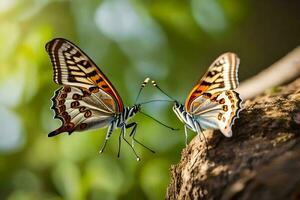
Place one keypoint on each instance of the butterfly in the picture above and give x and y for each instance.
(212, 103)
(87, 99)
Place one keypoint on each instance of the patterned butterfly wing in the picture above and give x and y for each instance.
(218, 112)
(73, 67)
(212, 101)
(221, 76)
(80, 110)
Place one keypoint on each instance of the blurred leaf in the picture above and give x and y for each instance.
(40, 147)
(21, 195)
(67, 179)
(10, 84)
(11, 137)
(209, 15)
(152, 178)
(7, 4)
(177, 16)
(9, 30)
(26, 180)
(71, 146)
(235, 10)
(104, 174)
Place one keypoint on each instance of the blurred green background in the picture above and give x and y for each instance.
(170, 41)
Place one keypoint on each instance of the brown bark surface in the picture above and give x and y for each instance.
(260, 161)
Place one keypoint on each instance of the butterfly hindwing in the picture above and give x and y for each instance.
(79, 109)
(73, 67)
(217, 112)
(221, 76)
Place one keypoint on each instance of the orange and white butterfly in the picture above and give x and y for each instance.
(212, 103)
(87, 99)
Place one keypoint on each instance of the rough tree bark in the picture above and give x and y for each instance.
(260, 161)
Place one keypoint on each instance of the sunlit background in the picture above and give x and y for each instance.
(170, 41)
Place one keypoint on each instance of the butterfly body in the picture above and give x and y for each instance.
(186, 118)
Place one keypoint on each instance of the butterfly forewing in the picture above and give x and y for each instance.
(73, 67)
(221, 76)
(81, 110)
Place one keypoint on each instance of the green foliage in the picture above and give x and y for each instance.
(170, 41)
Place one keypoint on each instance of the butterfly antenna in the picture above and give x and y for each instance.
(155, 85)
(174, 129)
(141, 88)
(156, 100)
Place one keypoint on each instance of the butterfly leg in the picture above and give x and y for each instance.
(132, 134)
(133, 131)
(205, 140)
(120, 141)
(108, 134)
(200, 131)
(123, 130)
(186, 135)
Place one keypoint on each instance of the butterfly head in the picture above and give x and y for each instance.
(136, 108)
(178, 109)
(177, 106)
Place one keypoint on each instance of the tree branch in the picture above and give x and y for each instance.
(286, 69)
